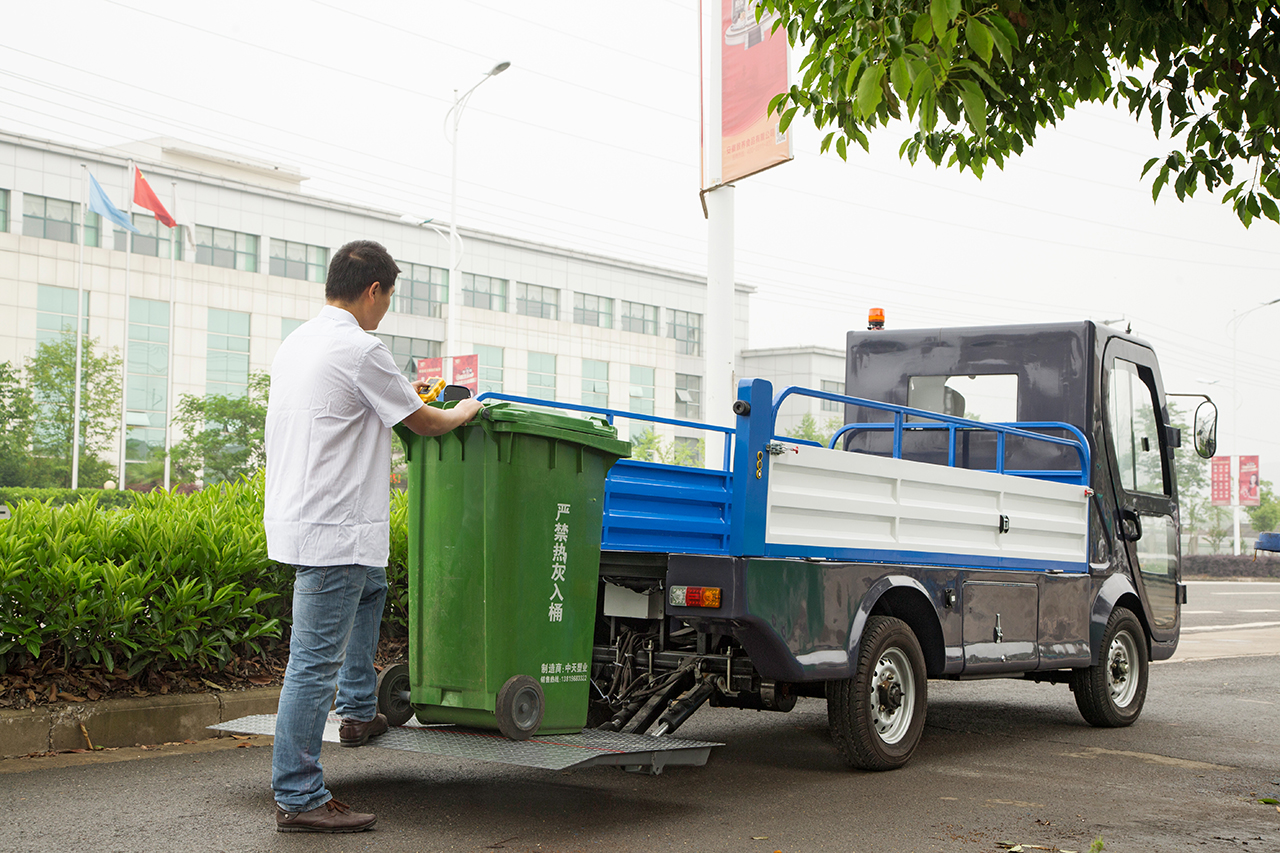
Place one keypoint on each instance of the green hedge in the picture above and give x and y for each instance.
(61, 497)
(1263, 564)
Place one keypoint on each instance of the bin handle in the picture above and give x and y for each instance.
(405, 435)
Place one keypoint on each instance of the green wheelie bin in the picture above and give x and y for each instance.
(504, 562)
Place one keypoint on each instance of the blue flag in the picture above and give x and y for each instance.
(101, 205)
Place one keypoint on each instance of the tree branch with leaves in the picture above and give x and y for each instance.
(977, 79)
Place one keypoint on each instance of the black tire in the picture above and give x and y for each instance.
(877, 716)
(393, 683)
(519, 707)
(1110, 694)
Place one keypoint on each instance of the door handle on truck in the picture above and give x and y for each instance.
(1130, 525)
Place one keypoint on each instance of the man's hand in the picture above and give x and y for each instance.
(429, 420)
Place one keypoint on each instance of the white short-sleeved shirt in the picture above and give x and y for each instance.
(335, 394)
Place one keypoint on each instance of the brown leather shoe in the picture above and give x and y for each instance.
(333, 816)
(355, 733)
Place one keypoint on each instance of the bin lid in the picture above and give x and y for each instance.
(592, 431)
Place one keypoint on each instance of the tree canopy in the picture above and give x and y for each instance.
(225, 434)
(978, 78)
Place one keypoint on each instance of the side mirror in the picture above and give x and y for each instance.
(1206, 429)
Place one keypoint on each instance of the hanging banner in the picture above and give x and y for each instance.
(752, 70)
(1220, 481)
(465, 372)
(1249, 481)
(430, 368)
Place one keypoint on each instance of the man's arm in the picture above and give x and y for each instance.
(429, 420)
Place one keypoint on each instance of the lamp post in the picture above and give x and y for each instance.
(453, 321)
(1233, 327)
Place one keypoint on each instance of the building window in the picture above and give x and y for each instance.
(595, 383)
(55, 219)
(686, 328)
(288, 325)
(155, 239)
(535, 301)
(542, 375)
(593, 310)
(219, 247)
(489, 364)
(638, 317)
(227, 372)
(480, 291)
(146, 395)
(406, 352)
(422, 290)
(641, 392)
(4, 211)
(56, 313)
(832, 388)
(688, 396)
(298, 260)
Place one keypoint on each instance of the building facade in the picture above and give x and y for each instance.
(544, 322)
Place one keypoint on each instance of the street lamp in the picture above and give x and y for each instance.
(1233, 327)
(455, 249)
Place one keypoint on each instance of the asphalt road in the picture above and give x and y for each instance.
(1001, 762)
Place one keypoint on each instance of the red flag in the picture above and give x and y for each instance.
(143, 196)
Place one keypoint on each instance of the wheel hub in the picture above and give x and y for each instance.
(889, 694)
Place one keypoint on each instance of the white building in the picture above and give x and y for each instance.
(544, 322)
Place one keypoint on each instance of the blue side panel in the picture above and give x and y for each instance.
(925, 558)
(666, 508)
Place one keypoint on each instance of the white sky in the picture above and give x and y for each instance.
(591, 141)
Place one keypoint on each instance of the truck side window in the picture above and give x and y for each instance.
(1133, 430)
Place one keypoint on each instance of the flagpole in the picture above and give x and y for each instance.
(75, 406)
(124, 368)
(175, 234)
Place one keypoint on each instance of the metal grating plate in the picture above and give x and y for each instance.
(588, 748)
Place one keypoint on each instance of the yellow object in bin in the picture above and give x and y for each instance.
(433, 390)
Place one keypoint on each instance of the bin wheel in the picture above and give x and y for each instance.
(519, 707)
(393, 684)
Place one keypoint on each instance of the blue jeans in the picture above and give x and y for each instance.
(337, 611)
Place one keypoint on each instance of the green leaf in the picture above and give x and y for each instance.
(1270, 211)
(1002, 42)
(900, 77)
(939, 12)
(979, 38)
(785, 121)
(922, 30)
(840, 149)
(975, 106)
(869, 92)
(1147, 168)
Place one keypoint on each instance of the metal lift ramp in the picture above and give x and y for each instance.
(589, 748)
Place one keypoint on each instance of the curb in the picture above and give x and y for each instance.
(128, 722)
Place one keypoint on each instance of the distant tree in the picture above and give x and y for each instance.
(16, 411)
(1218, 527)
(1266, 515)
(977, 80)
(50, 378)
(648, 446)
(225, 435)
(808, 429)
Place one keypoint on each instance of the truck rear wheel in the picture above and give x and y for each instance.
(877, 716)
(1110, 694)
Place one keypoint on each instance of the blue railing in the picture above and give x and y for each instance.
(955, 427)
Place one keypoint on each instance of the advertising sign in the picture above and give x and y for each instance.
(466, 372)
(1248, 481)
(1220, 481)
(429, 368)
(753, 70)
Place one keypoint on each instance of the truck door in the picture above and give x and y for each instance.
(1142, 477)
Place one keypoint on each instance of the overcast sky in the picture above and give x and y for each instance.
(591, 141)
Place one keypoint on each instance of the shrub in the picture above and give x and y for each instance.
(62, 497)
(165, 579)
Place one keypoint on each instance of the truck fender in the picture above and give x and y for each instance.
(1116, 591)
(907, 599)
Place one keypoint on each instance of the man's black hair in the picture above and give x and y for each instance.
(357, 265)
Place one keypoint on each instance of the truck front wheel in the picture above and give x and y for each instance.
(877, 716)
(1110, 693)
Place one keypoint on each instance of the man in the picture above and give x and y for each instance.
(335, 393)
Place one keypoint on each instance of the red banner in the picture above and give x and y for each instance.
(430, 368)
(465, 372)
(1220, 481)
(1249, 481)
